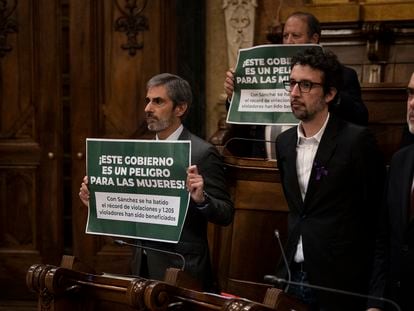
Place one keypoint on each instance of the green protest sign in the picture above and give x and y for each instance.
(137, 188)
(259, 95)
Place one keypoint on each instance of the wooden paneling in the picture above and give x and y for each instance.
(103, 97)
(30, 144)
(387, 10)
(247, 249)
(107, 95)
(387, 115)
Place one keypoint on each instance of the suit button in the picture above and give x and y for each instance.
(303, 216)
(404, 248)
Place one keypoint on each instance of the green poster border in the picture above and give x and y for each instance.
(136, 230)
(262, 118)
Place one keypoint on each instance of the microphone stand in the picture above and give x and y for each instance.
(123, 243)
(285, 262)
(275, 281)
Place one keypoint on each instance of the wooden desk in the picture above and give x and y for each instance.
(63, 289)
(247, 249)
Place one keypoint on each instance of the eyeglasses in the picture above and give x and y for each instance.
(304, 86)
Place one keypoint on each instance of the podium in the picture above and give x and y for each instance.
(64, 289)
(259, 208)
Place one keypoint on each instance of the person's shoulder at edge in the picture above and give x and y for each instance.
(202, 146)
(187, 135)
(349, 70)
(402, 152)
(284, 139)
(353, 132)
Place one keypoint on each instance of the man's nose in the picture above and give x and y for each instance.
(288, 39)
(148, 107)
(295, 90)
(410, 101)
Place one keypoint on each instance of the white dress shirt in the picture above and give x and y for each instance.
(175, 135)
(306, 148)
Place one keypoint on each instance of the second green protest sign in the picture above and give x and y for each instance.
(259, 95)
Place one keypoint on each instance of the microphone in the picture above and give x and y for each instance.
(285, 262)
(271, 131)
(252, 140)
(255, 140)
(272, 279)
(123, 243)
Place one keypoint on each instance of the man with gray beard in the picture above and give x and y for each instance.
(167, 102)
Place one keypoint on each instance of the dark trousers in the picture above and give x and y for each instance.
(302, 292)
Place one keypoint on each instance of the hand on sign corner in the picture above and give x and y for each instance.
(84, 191)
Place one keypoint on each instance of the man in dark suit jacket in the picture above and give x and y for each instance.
(167, 102)
(394, 273)
(301, 28)
(407, 137)
(332, 174)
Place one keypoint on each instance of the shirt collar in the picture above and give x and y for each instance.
(175, 135)
(318, 136)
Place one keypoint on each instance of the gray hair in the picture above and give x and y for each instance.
(178, 89)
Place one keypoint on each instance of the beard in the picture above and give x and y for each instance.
(410, 121)
(157, 125)
(304, 113)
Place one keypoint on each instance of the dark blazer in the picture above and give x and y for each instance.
(193, 243)
(394, 273)
(337, 217)
(348, 102)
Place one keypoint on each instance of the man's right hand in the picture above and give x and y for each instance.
(229, 83)
(84, 191)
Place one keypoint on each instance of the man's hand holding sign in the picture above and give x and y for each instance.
(195, 185)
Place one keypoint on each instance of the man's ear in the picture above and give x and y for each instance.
(330, 95)
(180, 109)
(315, 38)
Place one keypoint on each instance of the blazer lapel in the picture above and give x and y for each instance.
(291, 176)
(185, 135)
(323, 155)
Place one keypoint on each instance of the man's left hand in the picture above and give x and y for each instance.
(195, 184)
